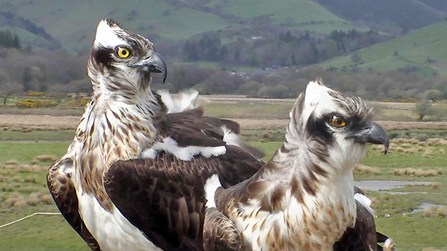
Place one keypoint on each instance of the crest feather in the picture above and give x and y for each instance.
(106, 34)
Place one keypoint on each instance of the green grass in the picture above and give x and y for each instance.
(300, 10)
(38, 233)
(61, 135)
(74, 24)
(24, 152)
(410, 230)
(306, 15)
(396, 159)
(413, 50)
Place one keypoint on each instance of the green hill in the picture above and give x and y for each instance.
(423, 48)
(73, 23)
(403, 14)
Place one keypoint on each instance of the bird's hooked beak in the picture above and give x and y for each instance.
(372, 133)
(153, 62)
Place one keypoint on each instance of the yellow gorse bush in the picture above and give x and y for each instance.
(32, 103)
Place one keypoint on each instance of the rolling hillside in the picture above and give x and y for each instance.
(423, 48)
(73, 23)
(403, 14)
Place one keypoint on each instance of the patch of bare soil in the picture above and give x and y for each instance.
(38, 122)
(403, 125)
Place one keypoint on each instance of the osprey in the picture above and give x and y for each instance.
(303, 198)
(133, 178)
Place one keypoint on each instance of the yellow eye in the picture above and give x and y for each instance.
(122, 52)
(337, 121)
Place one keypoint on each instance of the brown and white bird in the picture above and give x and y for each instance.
(134, 176)
(303, 198)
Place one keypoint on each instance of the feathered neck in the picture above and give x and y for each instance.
(109, 117)
(114, 128)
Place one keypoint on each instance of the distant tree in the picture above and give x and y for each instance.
(337, 36)
(33, 79)
(190, 51)
(249, 87)
(8, 40)
(293, 59)
(254, 60)
(222, 53)
(331, 47)
(423, 108)
(237, 54)
(219, 82)
(433, 95)
(16, 42)
(278, 91)
(7, 86)
(323, 54)
(356, 58)
(396, 53)
(352, 33)
(186, 76)
(315, 51)
(438, 113)
(288, 37)
(307, 36)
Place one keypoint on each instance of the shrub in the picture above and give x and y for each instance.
(35, 103)
(367, 169)
(46, 103)
(436, 185)
(279, 91)
(79, 102)
(428, 212)
(27, 103)
(34, 94)
(441, 212)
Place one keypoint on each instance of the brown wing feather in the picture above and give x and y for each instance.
(165, 197)
(362, 236)
(220, 233)
(64, 194)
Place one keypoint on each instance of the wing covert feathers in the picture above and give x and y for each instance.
(64, 194)
(220, 233)
(165, 198)
(363, 236)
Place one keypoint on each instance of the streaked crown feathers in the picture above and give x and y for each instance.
(319, 99)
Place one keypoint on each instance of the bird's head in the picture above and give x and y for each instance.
(333, 126)
(121, 60)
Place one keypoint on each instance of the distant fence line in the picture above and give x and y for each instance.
(28, 216)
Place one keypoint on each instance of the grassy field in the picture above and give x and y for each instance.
(413, 50)
(73, 24)
(27, 154)
(306, 15)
